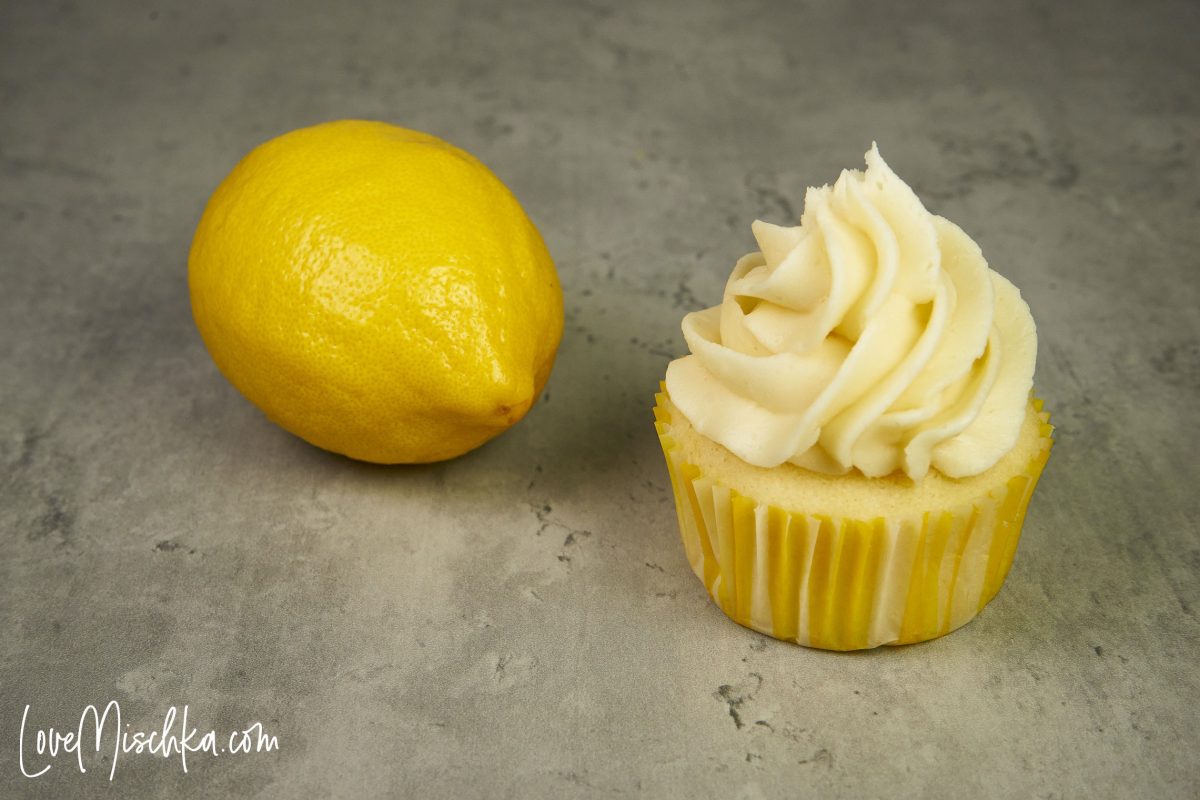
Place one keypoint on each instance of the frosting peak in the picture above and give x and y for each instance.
(872, 335)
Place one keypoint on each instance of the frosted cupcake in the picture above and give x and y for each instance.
(852, 441)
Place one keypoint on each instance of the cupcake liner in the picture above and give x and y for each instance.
(846, 584)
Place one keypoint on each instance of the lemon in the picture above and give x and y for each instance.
(376, 291)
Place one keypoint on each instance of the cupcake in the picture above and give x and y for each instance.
(853, 441)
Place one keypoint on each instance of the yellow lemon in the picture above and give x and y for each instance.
(376, 291)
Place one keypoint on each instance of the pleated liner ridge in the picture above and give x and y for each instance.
(846, 584)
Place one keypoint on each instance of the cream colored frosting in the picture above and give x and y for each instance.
(872, 336)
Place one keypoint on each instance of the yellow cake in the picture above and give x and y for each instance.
(852, 442)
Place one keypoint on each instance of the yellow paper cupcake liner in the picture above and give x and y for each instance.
(846, 584)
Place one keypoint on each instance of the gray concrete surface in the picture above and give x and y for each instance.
(521, 622)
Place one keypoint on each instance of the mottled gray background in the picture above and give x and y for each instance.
(521, 622)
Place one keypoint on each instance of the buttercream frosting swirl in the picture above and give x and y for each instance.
(872, 336)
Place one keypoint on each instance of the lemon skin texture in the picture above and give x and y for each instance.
(376, 291)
